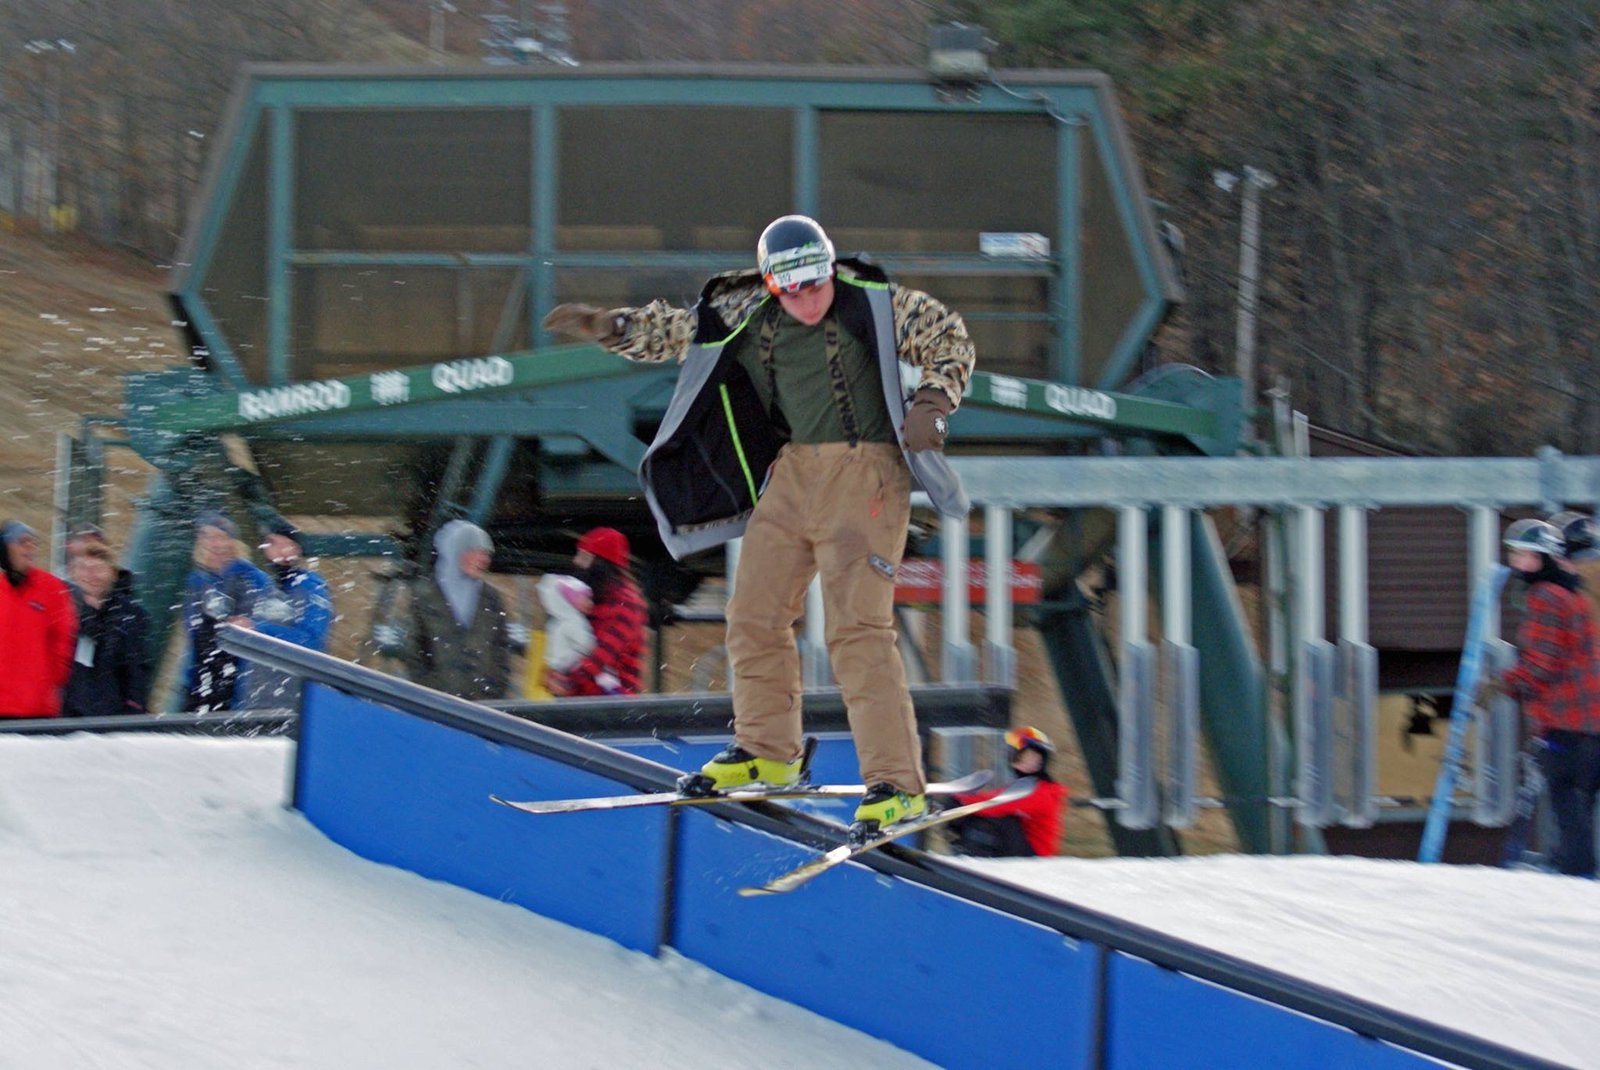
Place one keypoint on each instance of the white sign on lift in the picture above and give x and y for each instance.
(1014, 245)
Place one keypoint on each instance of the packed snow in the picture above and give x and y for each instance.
(160, 907)
(1509, 955)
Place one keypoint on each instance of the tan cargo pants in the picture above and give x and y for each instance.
(840, 511)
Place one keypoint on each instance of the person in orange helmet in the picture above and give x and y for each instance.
(1029, 827)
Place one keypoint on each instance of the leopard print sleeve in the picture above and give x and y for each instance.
(656, 333)
(932, 337)
(660, 332)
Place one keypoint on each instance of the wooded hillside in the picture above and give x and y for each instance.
(1430, 253)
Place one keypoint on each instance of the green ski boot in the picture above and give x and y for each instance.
(882, 806)
(734, 768)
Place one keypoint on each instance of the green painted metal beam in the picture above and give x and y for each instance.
(321, 86)
(446, 380)
(1097, 408)
(484, 376)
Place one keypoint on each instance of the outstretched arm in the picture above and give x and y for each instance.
(656, 333)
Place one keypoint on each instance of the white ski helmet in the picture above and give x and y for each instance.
(1535, 536)
(794, 253)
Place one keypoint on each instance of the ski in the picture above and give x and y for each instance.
(1462, 710)
(970, 782)
(845, 852)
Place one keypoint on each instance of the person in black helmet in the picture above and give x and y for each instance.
(1027, 828)
(1557, 681)
(791, 427)
(1583, 552)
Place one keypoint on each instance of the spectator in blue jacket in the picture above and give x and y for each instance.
(222, 589)
(298, 610)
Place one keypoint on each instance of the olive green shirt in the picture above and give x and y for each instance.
(804, 389)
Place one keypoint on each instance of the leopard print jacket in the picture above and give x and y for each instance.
(927, 334)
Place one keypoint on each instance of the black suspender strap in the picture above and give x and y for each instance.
(769, 334)
(841, 385)
(836, 375)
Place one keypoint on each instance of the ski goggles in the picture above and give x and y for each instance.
(1018, 738)
(795, 270)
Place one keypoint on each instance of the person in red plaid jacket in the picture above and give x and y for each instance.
(615, 665)
(1557, 680)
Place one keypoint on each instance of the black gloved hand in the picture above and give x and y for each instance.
(586, 322)
(927, 420)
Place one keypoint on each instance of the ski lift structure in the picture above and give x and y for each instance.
(362, 287)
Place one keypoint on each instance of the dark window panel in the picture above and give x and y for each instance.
(668, 178)
(907, 182)
(413, 180)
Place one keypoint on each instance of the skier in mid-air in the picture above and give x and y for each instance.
(790, 426)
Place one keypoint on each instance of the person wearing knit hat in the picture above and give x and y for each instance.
(615, 664)
(608, 544)
(14, 531)
(217, 521)
(223, 588)
(38, 628)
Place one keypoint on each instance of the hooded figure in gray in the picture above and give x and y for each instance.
(458, 637)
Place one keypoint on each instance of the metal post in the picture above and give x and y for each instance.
(1001, 656)
(958, 661)
(1254, 181)
(1356, 707)
(1314, 680)
(1483, 553)
(1495, 741)
(1310, 607)
(1353, 573)
(1495, 746)
(1136, 778)
(62, 518)
(1180, 666)
(1176, 611)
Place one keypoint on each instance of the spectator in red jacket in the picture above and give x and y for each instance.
(1557, 680)
(38, 626)
(616, 663)
(1029, 827)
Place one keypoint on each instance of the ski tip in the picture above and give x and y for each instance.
(756, 890)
